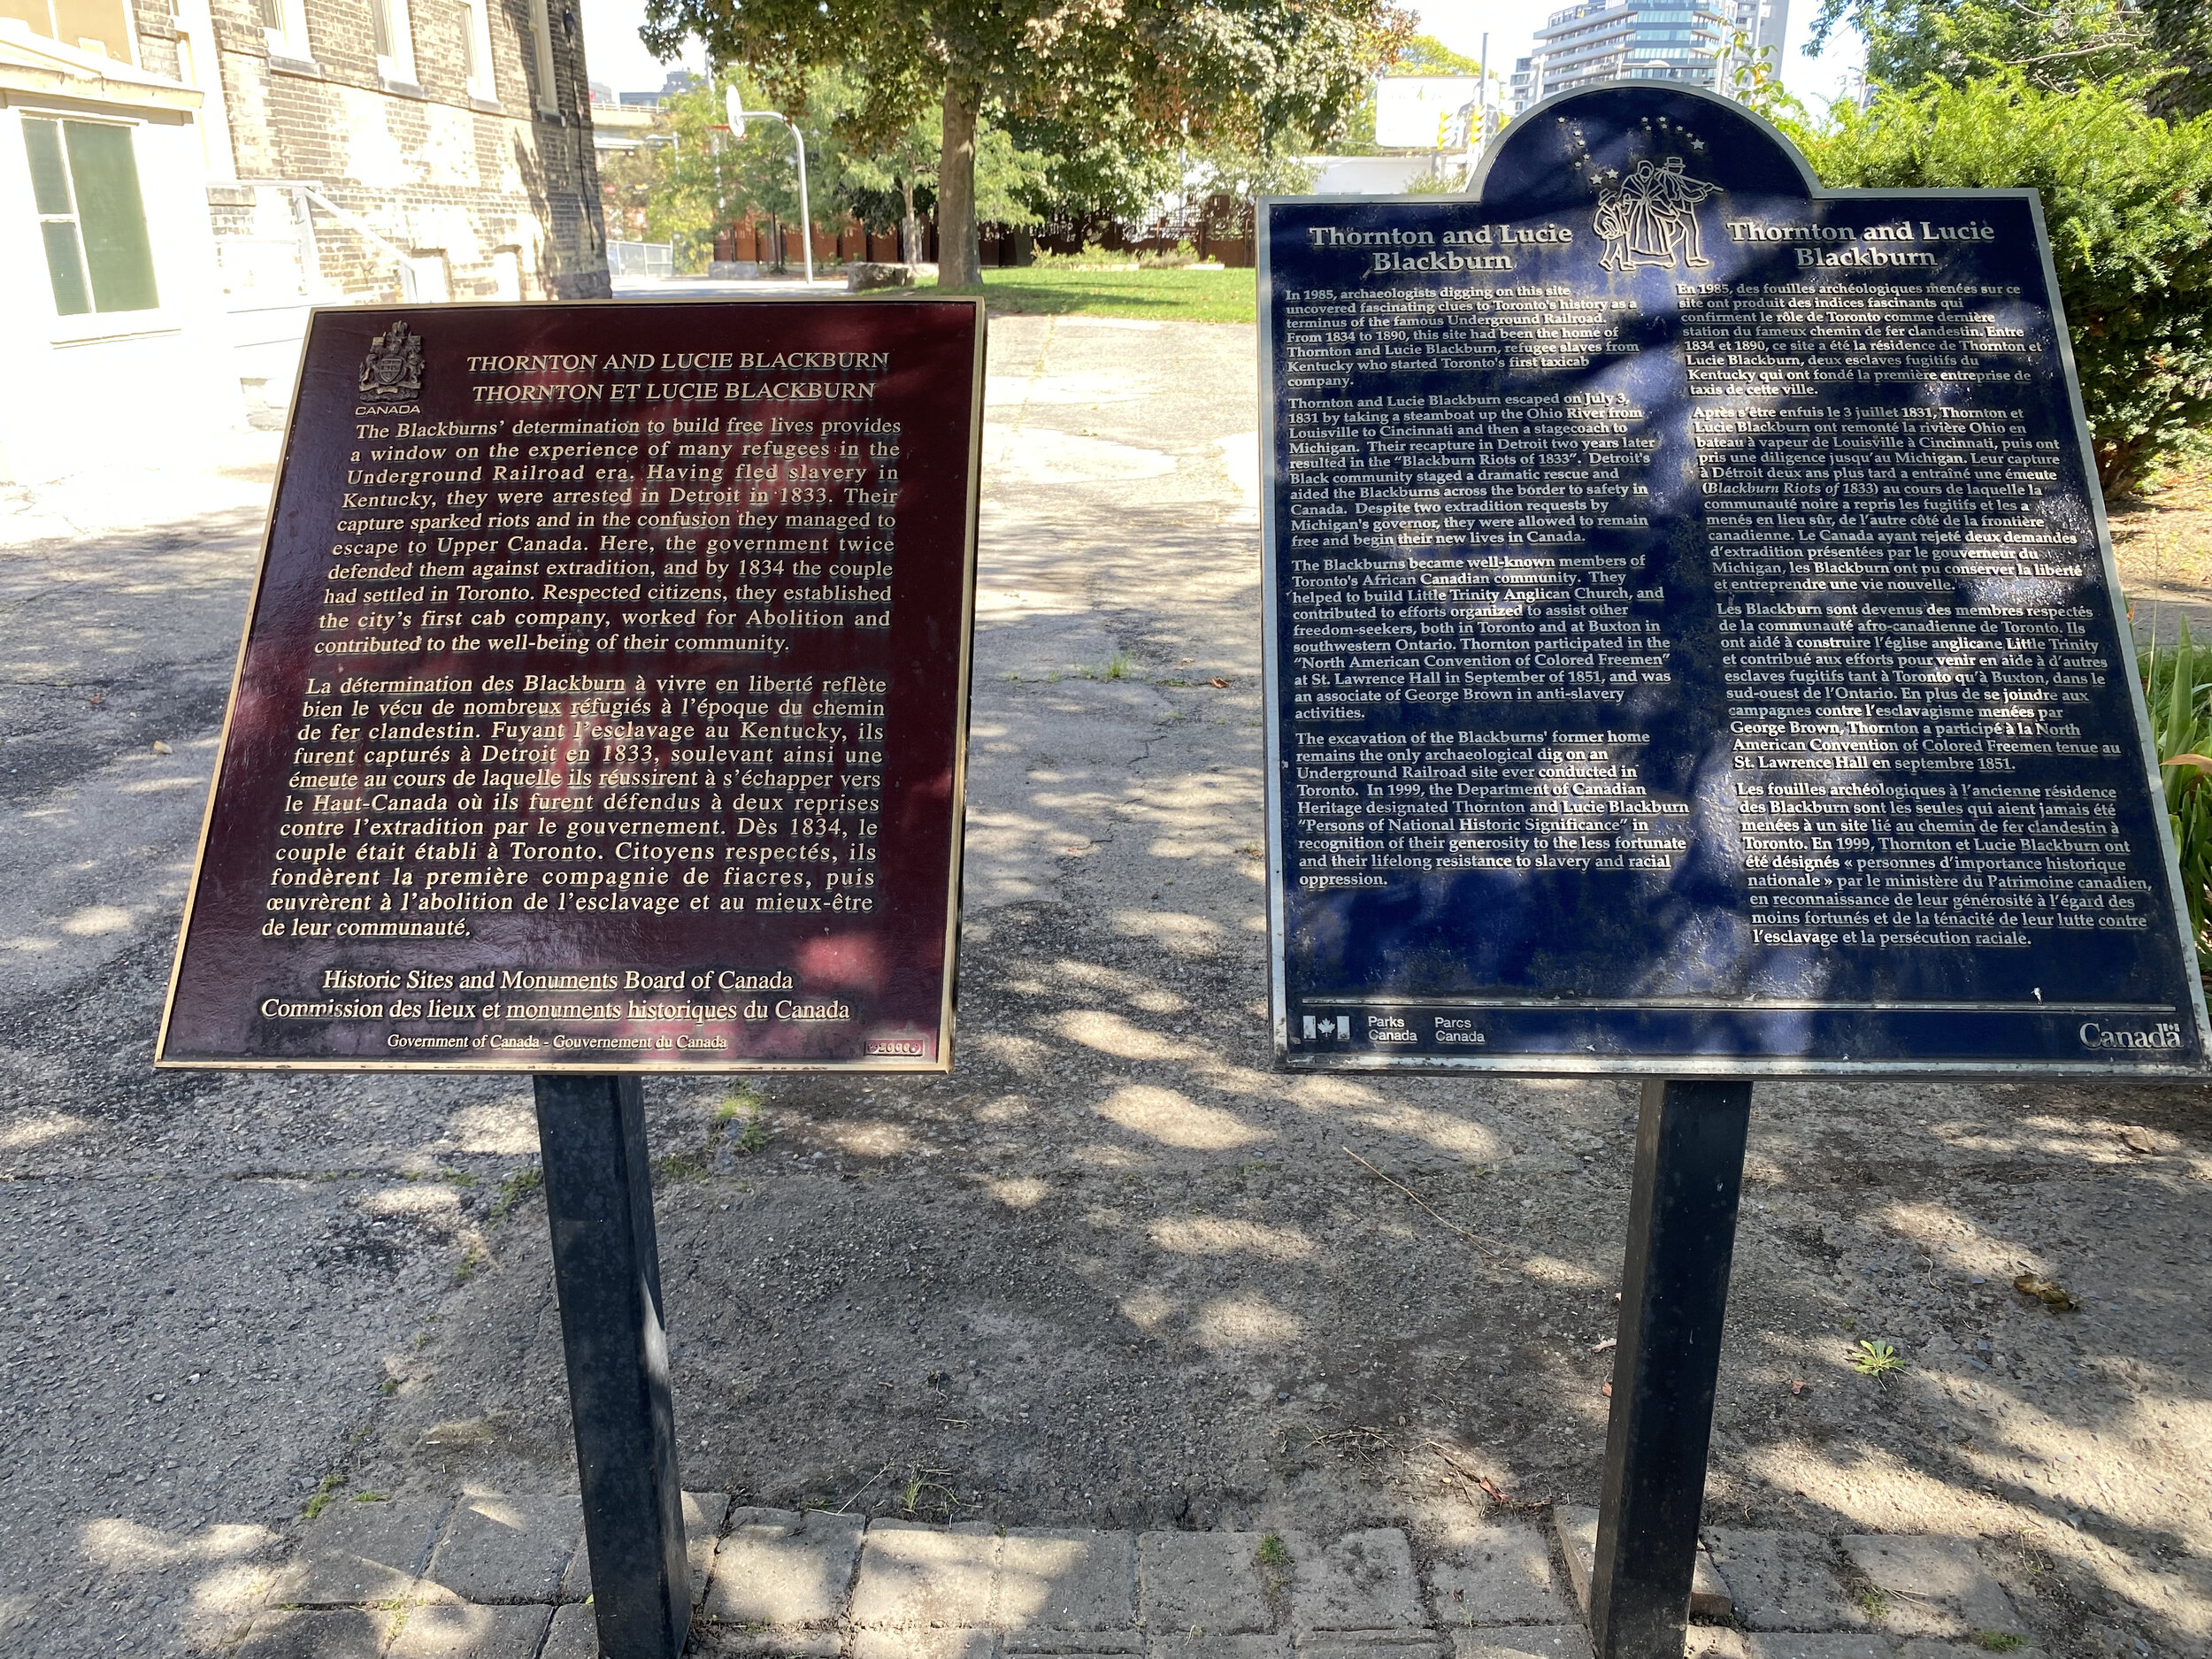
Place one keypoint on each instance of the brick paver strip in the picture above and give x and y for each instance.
(1541, 1641)
(1195, 1585)
(782, 1569)
(924, 1644)
(1365, 1581)
(1936, 1587)
(357, 1553)
(702, 1526)
(500, 1548)
(1576, 1526)
(472, 1633)
(1496, 1574)
(1064, 1580)
(1783, 1581)
(575, 1635)
(1844, 1645)
(1372, 1644)
(345, 1633)
(919, 1577)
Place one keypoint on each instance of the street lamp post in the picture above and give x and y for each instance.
(738, 116)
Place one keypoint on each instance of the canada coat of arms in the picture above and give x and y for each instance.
(393, 369)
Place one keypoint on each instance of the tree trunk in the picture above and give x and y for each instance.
(911, 228)
(959, 243)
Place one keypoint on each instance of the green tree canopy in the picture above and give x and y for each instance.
(2054, 44)
(2127, 195)
(1195, 71)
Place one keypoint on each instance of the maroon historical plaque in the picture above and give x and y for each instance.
(603, 700)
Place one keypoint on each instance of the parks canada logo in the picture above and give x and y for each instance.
(392, 372)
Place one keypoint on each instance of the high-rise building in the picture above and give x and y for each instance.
(1646, 40)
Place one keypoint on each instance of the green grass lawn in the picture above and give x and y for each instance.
(1190, 297)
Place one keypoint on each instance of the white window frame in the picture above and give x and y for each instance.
(477, 27)
(196, 32)
(290, 40)
(398, 64)
(86, 327)
(549, 95)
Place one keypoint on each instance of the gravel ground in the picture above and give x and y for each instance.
(1114, 1271)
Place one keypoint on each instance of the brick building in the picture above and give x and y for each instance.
(382, 149)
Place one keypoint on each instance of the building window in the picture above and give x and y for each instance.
(92, 25)
(476, 49)
(394, 39)
(84, 183)
(541, 39)
(284, 25)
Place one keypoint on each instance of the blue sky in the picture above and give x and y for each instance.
(617, 59)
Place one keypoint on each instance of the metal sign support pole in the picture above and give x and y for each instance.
(1681, 1238)
(599, 1202)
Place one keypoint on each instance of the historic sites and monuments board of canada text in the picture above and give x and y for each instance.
(1694, 642)
(603, 698)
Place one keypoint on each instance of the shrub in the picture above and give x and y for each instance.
(2178, 687)
(2128, 199)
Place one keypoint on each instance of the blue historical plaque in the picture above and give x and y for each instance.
(1693, 642)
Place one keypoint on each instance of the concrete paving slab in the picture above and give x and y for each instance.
(355, 1553)
(1496, 1574)
(1935, 1587)
(782, 1569)
(339, 1633)
(1783, 1581)
(499, 1548)
(724, 1642)
(472, 1633)
(1201, 1585)
(1925, 1648)
(1576, 1528)
(924, 1578)
(1543, 1641)
(1053, 1579)
(1365, 1581)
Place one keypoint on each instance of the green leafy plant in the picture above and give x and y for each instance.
(1875, 1605)
(2177, 687)
(1272, 1551)
(323, 1494)
(514, 1189)
(1998, 1641)
(1876, 1358)
(2128, 199)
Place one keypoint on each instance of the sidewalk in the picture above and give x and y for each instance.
(492, 1577)
(1116, 1273)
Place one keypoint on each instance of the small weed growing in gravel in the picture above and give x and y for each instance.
(456, 1178)
(1875, 1605)
(1876, 1359)
(744, 1100)
(390, 1386)
(1998, 1641)
(1272, 1551)
(372, 1497)
(514, 1189)
(323, 1494)
(470, 1262)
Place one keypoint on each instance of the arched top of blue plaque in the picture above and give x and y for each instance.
(1597, 139)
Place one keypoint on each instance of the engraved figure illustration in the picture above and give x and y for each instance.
(393, 369)
(1650, 218)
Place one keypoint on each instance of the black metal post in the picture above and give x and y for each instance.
(599, 1201)
(1681, 1238)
